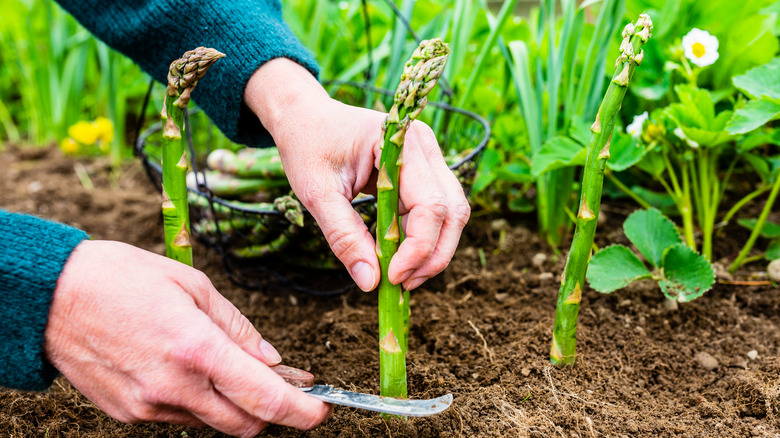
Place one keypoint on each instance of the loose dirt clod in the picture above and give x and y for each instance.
(706, 360)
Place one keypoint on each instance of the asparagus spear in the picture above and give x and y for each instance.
(226, 185)
(183, 76)
(419, 77)
(248, 163)
(563, 349)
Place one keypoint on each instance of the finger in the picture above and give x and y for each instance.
(255, 388)
(458, 214)
(227, 317)
(348, 237)
(215, 410)
(427, 205)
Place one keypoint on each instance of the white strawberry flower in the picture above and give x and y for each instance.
(635, 127)
(700, 47)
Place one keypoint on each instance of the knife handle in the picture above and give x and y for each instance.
(294, 376)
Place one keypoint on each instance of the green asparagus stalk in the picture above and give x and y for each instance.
(276, 245)
(226, 185)
(248, 163)
(563, 349)
(418, 79)
(183, 76)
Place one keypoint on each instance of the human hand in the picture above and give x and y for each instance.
(147, 338)
(330, 152)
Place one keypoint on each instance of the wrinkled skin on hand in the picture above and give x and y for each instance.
(330, 152)
(147, 338)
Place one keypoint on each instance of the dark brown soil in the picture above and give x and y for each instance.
(479, 332)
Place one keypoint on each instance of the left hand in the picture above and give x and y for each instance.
(330, 152)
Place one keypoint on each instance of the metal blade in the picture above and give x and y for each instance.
(385, 405)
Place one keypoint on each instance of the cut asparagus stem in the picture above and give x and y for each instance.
(563, 349)
(183, 76)
(419, 77)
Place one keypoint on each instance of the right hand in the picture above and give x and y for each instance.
(147, 338)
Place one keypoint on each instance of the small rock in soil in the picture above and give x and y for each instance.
(752, 354)
(774, 270)
(706, 360)
(499, 224)
(546, 276)
(525, 372)
(539, 259)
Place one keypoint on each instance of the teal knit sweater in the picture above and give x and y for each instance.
(153, 33)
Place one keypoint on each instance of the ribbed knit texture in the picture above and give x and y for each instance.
(156, 32)
(33, 252)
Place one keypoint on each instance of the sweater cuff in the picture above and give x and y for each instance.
(33, 253)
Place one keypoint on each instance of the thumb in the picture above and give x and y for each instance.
(238, 328)
(349, 238)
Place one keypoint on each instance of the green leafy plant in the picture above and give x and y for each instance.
(681, 273)
(563, 348)
(762, 85)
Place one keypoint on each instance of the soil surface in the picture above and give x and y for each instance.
(480, 332)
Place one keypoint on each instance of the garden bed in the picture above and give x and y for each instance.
(480, 333)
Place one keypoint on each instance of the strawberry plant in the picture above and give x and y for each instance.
(681, 273)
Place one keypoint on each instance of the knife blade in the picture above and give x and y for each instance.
(304, 381)
(385, 405)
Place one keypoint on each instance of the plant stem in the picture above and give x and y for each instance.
(741, 203)
(183, 76)
(759, 225)
(623, 188)
(419, 77)
(563, 349)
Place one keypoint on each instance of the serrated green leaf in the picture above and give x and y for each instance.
(763, 80)
(556, 153)
(695, 115)
(686, 274)
(652, 233)
(773, 250)
(770, 230)
(624, 152)
(613, 268)
(753, 115)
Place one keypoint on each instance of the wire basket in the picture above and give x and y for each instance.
(260, 245)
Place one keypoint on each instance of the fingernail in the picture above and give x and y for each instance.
(269, 353)
(364, 275)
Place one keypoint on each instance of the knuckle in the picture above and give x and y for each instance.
(341, 241)
(437, 206)
(272, 407)
(189, 352)
(461, 213)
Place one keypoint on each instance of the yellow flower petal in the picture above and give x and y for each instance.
(69, 146)
(105, 129)
(83, 132)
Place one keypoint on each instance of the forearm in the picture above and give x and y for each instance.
(32, 254)
(154, 33)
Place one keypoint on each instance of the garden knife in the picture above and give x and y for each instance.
(408, 408)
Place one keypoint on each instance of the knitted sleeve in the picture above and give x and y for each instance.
(32, 254)
(155, 32)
